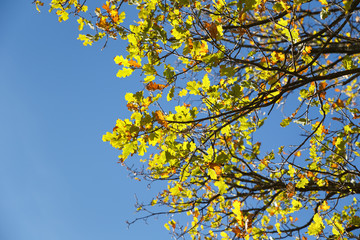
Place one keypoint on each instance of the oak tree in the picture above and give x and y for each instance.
(216, 75)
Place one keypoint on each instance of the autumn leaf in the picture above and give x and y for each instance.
(324, 206)
(290, 188)
(308, 49)
(134, 64)
(339, 103)
(152, 86)
(132, 107)
(38, 3)
(106, 7)
(216, 167)
(212, 29)
(160, 118)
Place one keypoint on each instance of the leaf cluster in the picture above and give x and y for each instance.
(214, 74)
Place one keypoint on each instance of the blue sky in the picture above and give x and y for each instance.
(58, 180)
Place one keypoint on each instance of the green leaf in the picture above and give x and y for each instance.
(227, 71)
(348, 63)
(301, 121)
(170, 94)
(193, 87)
(285, 122)
(324, 13)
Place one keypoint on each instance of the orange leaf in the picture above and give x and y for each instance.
(132, 107)
(190, 43)
(322, 85)
(115, 18)
(340, 103)
(356, 116)
(152, 86)
(160, 118)
(134, 64)
(298, 154)
(204, 48)
(211, 27)
(216, 167)
(290, 188)
(106, 7)
(334, 165)
(238, 232)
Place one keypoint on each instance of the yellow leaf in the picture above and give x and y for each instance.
(291, 171)
(84, 8)
(308, 49)
(221, 186)
(321, 182)
(86, 40)
(63, 15)
(120, 60)
(337, 229)
(324, 206)
(125, 72)
(149, 78)
(302, 183)
(183, 93)
(81, 23)
(224, 235)
(38, 3)
(277, 225)
(316, 226)
(205, 82)
(212, 174)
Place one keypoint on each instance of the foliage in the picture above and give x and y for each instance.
(214, 74)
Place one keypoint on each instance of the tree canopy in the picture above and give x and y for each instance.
(215, 74)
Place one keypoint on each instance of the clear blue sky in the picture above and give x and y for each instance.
(58, 180)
